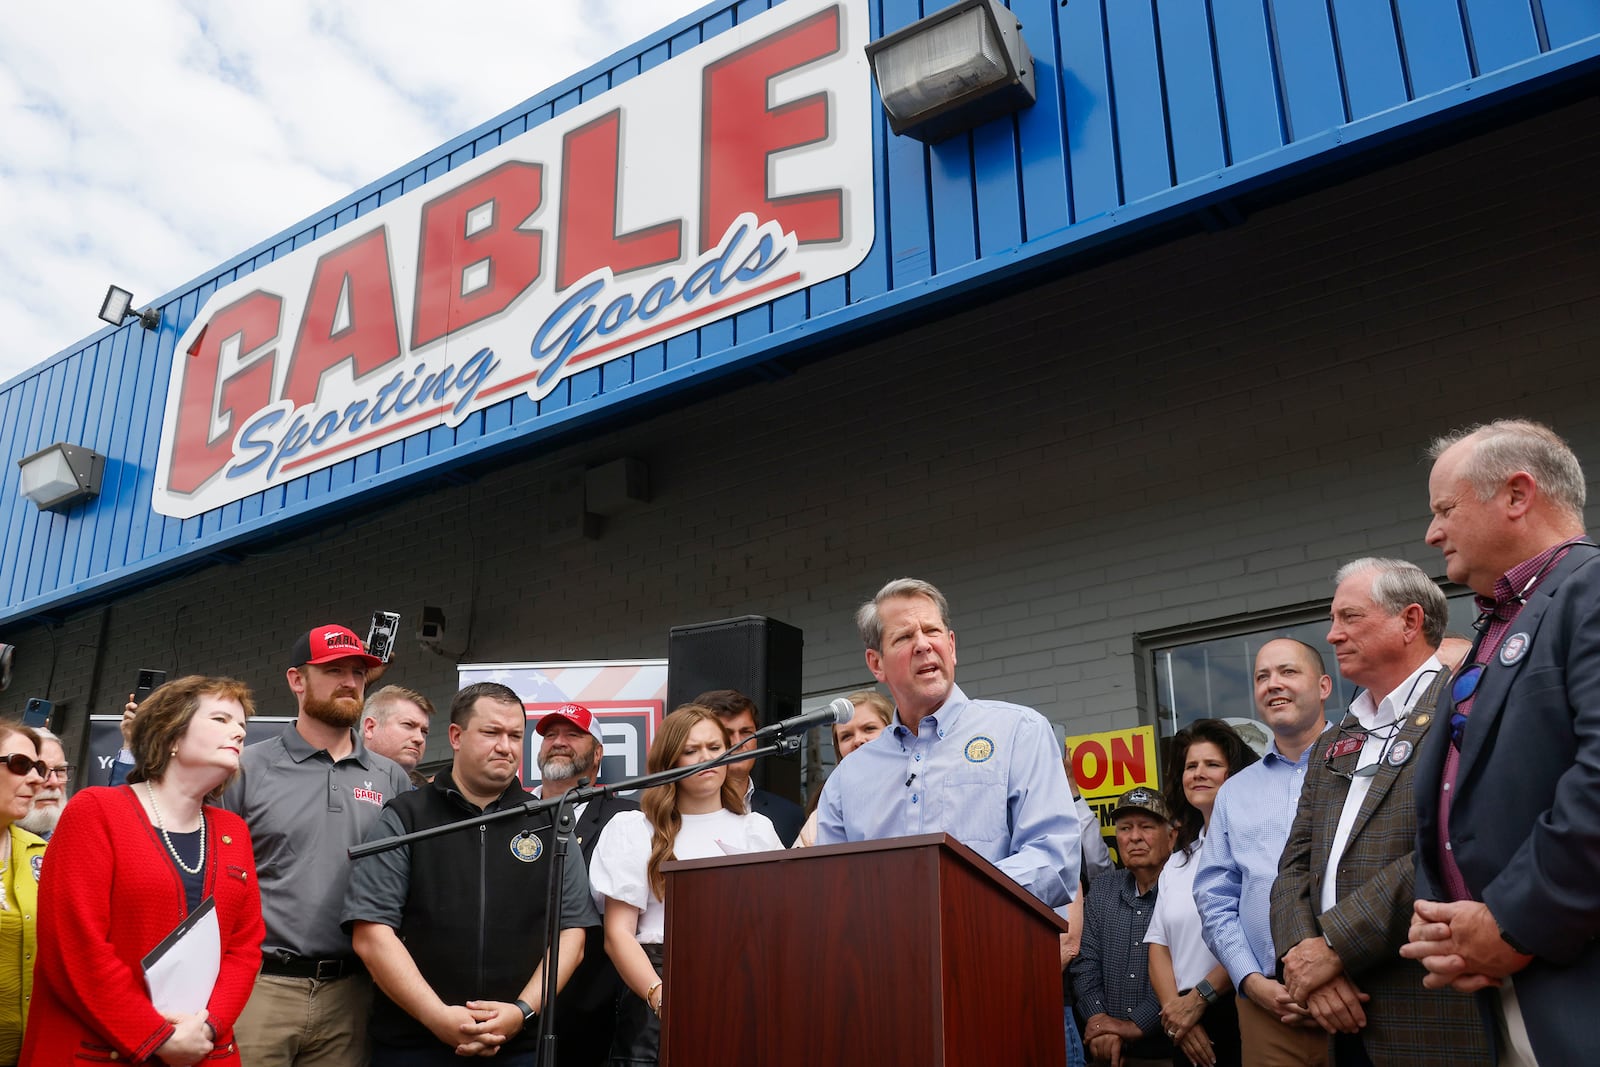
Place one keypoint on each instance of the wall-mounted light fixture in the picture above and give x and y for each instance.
(953, 70)
(117, 306)
(60, 476)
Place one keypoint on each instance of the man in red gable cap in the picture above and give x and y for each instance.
(308, 796)
(571, 747)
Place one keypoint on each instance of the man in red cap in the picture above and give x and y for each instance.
(308, 795)
(571, 748)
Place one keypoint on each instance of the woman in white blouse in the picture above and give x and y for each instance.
(1186, 977)
(698, 816)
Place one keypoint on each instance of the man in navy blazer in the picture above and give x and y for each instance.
(1508, 834)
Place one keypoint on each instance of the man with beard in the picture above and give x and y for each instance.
(51, 797)
(308, 796)
(586, 1010)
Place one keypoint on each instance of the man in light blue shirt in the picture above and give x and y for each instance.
(983, 771)
(1239, 862)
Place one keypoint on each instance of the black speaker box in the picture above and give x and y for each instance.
(758, 656)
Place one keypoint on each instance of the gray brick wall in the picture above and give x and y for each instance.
(1198, 431)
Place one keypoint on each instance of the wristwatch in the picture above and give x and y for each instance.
(527, 1013)
(1207, 991)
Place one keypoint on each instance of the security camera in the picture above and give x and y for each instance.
(430, 633)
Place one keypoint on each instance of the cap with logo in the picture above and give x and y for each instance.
(324, 644)
(1143, 800)
(577, 715)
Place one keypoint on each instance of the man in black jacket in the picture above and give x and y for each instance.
(452, 928)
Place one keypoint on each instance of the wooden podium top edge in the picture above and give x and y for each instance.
(886, 844)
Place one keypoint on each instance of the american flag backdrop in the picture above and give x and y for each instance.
(626, 696)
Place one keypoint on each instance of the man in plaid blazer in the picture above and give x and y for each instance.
(1341, 906)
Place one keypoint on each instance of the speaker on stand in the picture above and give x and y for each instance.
(758, 656)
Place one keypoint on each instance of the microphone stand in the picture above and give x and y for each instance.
(562, 821)
(562, 807)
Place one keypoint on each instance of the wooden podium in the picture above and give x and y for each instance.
(910, 951)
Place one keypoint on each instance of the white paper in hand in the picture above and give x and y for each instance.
(182, 970)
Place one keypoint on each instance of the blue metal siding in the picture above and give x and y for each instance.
(1147, 109)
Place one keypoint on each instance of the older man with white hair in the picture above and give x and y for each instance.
(51, 797)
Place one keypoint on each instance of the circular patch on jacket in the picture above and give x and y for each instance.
(37, 863)
(1399, 752)
(527, 847)
(1515, 648)
(979, 749)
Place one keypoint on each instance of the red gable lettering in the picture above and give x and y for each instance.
(588, 238)
(355, 279)
(507, 195)
(741, 134)
(253, 320)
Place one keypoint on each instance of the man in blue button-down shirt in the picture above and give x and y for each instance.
(983, 771)
(1249, 825)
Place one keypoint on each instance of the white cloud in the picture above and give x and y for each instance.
(148, 143)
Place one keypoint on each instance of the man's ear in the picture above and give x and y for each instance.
(875, 664)
(1520, 490)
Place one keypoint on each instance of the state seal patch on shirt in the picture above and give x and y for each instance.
(527, 847)
(980, 748)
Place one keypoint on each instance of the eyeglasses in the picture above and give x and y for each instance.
(62, 773)
(19, 765)
(1365, 770)
(1461, 690)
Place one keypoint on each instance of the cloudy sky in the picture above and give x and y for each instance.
(146, 143)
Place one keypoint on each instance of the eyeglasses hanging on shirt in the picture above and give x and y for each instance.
(1353, 740)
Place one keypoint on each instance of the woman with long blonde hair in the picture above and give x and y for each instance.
(695, 817)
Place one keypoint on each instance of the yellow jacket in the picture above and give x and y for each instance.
(18, 926)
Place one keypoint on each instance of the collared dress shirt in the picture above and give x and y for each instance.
(1233, 887)
(1381, 720)
(1111, 975)
(985, 772)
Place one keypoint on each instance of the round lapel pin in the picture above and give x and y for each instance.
(1515, 647)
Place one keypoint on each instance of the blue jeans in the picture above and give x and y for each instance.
(1075, 1057)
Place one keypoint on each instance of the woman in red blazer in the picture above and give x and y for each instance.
(124, 868)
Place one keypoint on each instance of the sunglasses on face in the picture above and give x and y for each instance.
(19, 765)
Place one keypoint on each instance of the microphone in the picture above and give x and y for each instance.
(836, 713)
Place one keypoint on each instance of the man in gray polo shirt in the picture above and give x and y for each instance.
(308, 796)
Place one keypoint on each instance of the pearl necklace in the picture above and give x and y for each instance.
(182, 866)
